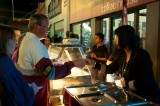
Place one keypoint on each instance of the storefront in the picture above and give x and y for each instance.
(88, 17)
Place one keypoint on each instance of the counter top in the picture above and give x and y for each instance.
(106, 94)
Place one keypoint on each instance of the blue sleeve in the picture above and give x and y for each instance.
(23, 94)
(51, 75)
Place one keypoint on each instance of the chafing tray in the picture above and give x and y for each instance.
(64, 53)
(102, 95)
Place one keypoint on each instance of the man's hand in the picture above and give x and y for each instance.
(82, 62)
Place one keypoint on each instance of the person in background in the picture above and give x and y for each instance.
(17, 34)
(67, 34)
(134, 65)
(72, 35)
(57, 39)
(15, 53)
(11, 79)
(60, 39)
(21, 37)
(77, 36)
(34, 63)
(99, 53)
(46, 41)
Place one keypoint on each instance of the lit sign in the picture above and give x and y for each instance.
(116, 5)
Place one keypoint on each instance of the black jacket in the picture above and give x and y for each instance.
(139, 69)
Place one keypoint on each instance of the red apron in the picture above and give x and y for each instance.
(42, 97)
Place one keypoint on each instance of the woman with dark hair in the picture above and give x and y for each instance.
(14, 91)
(134, 65)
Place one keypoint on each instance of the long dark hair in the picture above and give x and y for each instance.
(127, 37)
(6, 33)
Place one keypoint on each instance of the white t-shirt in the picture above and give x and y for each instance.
(30, 52)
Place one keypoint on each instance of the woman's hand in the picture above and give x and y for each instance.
(123, 82)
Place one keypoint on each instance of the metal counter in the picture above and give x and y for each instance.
(106, 94)
(79, 75)
(77, 89)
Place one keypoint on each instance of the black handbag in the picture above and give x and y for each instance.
(6, 98)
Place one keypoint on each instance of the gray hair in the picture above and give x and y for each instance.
(36, 19)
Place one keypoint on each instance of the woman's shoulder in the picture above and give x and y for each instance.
(6, 62)
(4, 59)
(143, 54)
(142, 51)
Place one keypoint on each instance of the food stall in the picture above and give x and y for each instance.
(104, 94)
(77, 88)
(59, 54)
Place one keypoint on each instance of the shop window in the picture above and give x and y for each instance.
(86, 35)
(131, 19)
(118, 21)
(83, 29)
(59, 28)
(77, 30)
(54, 8)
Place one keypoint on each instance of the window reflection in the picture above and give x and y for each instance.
(77, 30)
(142, 26)
(59, 28)
(83, 29)
(106, 30)
(86, 35)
